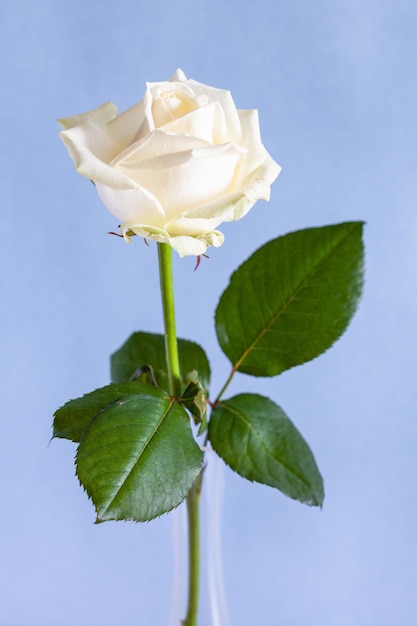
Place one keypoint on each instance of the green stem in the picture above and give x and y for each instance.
(168, 307)
(193, 511)
(174, 376)
(221, 392)
(225, 386)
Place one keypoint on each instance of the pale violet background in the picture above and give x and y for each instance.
(335, 85)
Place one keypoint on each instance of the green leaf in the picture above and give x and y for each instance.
(258, 441)
(149, 349)
(72, 418)
(292, 299)
(138, 459)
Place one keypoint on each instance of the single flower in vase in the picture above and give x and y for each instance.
(172, 169)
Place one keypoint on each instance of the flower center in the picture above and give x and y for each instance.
(170, 105)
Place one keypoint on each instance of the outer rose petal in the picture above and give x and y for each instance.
(125, 126)
(99, 116)
(132, 206)
(91, 149)
(258, 185)
(257, 156)
(195, 226)
(229, 208)
(187, 246)
(186, 179)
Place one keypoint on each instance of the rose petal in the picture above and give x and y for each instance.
(251, 139)
(206, 123)
(178, 76)
(258, 170)
(258, 185)
(91, 149)
(99, 116)
(157, 143)
(228, 208)
(170, 105)
(188, 246)
(214, 238)
(207, 217)
(158, 115)
(187, 179)
(125, 126)
(132, 206)
(224, 98)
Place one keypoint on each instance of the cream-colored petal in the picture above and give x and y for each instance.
(188, 246)
(258, 168)
(125, 126)
(251, 134)
(178, 76)
(214, 238)
(192, 227)
(258, 185)
(228, 208)
(251, 139)
(158, 112)
(148, 124)
(188, 179)
(99, 116)
(224, 98)
(132, 206)
(157, 143)
(206, 123)
(91, 149)
(170, 105)
(92, 138)
(209, 216)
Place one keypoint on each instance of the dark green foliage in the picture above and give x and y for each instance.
(292, 299)
(257, 440)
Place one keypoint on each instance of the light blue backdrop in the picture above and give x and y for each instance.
(335, 85)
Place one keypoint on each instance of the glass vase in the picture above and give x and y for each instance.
(212, 600)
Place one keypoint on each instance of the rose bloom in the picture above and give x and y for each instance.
(175, 165)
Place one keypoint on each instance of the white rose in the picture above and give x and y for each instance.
(176, 165)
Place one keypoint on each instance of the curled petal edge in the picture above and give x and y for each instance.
(100, 116)
(90, 165)
(230, 208)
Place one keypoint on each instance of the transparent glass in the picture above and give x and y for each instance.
(212, 605)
